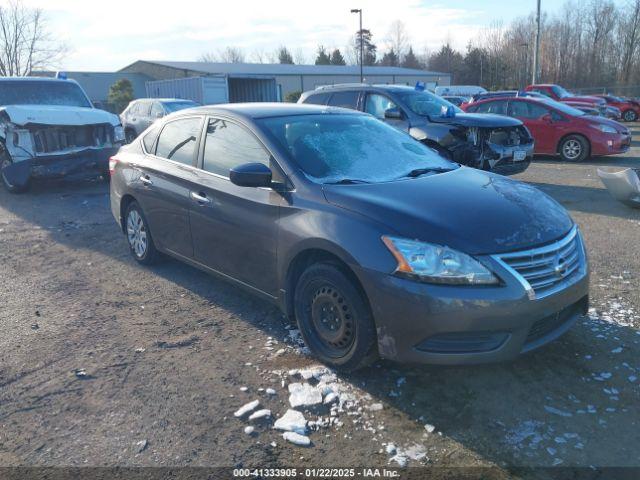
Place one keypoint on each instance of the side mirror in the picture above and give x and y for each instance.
(547, 118)
(393, 113)
(251, 175)
(159, 115)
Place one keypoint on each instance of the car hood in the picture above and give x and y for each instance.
(57, 115)
(467, 209)
(605, 121)
(584, 99)
(478, 120)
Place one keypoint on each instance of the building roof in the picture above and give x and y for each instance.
(286, 69)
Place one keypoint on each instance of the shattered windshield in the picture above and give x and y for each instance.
(425, 103)
(33, 92)
(348, 148)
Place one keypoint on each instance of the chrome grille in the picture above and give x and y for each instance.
(546, 270)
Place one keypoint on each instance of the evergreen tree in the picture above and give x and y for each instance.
(337, 58)
(284, 56)
(322, 58)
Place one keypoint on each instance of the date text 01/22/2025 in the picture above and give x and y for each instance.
(316, 472)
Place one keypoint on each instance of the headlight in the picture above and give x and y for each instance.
(605, 128)
(118, 133)
(437, 264)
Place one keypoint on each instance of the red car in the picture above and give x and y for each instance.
(630, 109)
(556, 92)
(560, 129)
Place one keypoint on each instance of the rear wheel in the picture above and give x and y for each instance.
(629, 115)
(574, 148)
(5, 161)
(139, 236)
(334, 318)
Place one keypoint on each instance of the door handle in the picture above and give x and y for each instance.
(146, 180)
(200, 198)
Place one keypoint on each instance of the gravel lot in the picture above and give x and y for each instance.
(106, 363)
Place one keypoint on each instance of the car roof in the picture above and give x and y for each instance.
(361, 86)
(163, 100)
(265, 109)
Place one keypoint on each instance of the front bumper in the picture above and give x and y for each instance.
(611, 144)
(79, 164)
(453, 325)
(502, 159)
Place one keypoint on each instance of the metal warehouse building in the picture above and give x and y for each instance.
(242, 82)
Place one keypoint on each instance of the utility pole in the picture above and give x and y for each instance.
(525, 46)
(536, 51)
(359, 11)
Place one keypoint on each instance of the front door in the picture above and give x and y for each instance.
(235, 229)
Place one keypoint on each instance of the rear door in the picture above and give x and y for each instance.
(235, 229)
(164, 181)
(377, 104)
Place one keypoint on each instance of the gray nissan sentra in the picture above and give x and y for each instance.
(373, 243)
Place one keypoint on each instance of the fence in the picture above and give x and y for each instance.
(623, 91)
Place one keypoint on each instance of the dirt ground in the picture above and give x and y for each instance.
(105, 363)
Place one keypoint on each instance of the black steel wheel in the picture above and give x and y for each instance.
(334, 318)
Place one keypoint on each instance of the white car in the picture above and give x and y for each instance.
(50, 129)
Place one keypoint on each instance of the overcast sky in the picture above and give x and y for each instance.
(109, 35)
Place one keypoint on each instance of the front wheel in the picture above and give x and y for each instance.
(629, 116)
(139, 236)
(5, 162)
(574, 148)
(334, 318)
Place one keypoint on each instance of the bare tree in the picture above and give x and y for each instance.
(227, 55)
(259, 55)
(629, 32)
(299, 57)
(25, 42)
(397, 40)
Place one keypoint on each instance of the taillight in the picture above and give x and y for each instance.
(112, 165)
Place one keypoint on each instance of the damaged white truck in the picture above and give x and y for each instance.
(50, 129)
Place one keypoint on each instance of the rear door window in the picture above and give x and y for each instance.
(178, 140)
(498, 107)
(347, 99)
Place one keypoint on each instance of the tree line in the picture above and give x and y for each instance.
(592, 43)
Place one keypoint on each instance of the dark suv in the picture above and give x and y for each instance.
(140, 114)
(485, 141)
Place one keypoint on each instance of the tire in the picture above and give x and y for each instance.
(334, 318)
(574, 148)
(629, 115)
(139, 238)
(129, 135)
(5, 161)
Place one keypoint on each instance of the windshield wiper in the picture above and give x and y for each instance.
(422, 171)
(346, 181)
